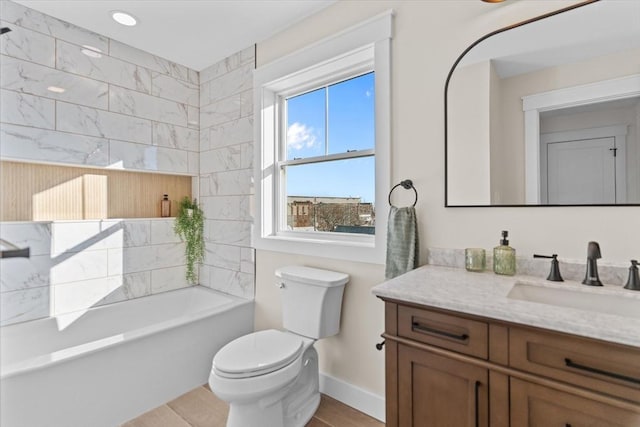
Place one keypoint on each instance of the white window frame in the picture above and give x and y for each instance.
(357, 50)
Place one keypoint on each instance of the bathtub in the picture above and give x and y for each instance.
(109, 364)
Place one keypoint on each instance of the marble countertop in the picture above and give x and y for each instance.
(485, 294)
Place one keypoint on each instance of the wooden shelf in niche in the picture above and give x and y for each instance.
(36, 192)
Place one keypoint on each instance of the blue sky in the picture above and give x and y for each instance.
(351, 127)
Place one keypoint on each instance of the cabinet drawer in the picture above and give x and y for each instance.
(533, 405)
(442, 330)
(605, 367)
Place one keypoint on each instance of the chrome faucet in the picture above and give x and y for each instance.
(593, 253)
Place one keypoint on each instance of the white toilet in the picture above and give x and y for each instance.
(270, 378)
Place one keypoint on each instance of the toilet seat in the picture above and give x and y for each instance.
(256, 354)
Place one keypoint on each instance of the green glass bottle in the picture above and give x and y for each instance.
(504, 257)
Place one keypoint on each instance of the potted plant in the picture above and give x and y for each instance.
(189, 226)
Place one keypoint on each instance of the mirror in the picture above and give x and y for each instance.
(547, 112)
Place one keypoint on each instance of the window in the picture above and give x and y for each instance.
(323, 131)
(326, 158)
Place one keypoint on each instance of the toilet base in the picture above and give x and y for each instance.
(254, 415)
(302, 401)
(304, 414)
(291, 406)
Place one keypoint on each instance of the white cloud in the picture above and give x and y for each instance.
(300, 136)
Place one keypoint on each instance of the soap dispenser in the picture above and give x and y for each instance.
(504, 257)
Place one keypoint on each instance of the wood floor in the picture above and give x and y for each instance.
(201, 408)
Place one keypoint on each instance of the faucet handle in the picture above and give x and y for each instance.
(593, 251)
(554, 274)
(633, 283)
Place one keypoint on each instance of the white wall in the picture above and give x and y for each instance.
(428, 37)
(499, 158)
(469, 145)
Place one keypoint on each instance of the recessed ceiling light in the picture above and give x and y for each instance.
(124, 18)
(56, 89)
(90, 51)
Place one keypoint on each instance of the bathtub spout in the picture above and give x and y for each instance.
(13, 251)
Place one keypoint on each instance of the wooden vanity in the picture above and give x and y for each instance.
(449, 368)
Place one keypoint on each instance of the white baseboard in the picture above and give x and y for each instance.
(360, 399)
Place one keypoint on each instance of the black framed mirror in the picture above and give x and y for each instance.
(546, 112)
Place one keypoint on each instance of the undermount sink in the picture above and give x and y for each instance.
(572, 298)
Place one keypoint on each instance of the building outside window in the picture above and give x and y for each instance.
(333, 214)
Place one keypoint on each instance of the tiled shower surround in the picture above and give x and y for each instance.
(75, 265)
(226, 173)
(121, 107)
(128, 109)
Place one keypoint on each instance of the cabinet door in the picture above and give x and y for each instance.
(436, 391)
(533, 405)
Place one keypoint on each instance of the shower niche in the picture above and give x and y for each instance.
(42, 192)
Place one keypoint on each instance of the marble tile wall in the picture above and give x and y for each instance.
(121, 107)
(75, 265)
(226, 173)
(612, 274)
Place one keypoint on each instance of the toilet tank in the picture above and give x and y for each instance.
(311, 300)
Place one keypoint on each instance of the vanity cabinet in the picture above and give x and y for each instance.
(436, 390)
(451, 369)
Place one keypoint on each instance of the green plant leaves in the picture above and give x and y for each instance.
(189, 226)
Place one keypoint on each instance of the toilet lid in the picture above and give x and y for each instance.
(257, 354)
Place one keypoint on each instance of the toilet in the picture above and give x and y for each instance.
(270, 378)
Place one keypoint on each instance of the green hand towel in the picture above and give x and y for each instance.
(402, 241)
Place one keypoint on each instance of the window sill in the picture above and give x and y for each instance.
(361, 249)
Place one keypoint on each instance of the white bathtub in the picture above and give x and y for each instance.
(112, 363)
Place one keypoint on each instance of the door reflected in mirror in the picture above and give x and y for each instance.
(548, 112)
(583, 159)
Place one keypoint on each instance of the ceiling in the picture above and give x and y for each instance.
(195, 33)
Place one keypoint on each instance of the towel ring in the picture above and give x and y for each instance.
(407, 184)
